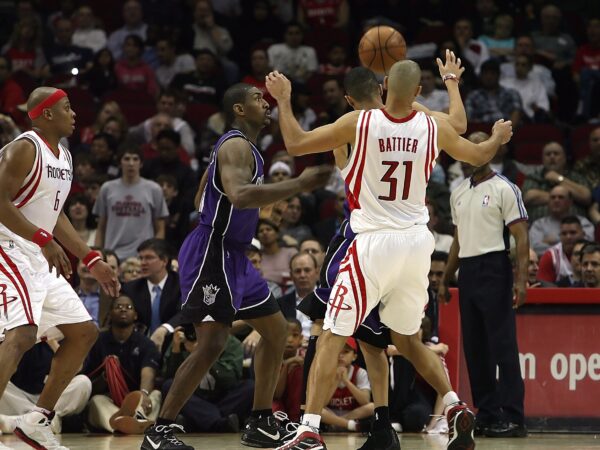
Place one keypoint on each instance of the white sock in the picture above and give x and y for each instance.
(352, 425)
(451, 398)
(311, 420)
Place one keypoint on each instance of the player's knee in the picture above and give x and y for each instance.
(21, 339)
(89, 334)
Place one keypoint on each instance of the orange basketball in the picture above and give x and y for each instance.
(380, 47)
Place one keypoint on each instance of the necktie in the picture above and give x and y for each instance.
(155, 320)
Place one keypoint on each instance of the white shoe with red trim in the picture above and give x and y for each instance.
(34, 429)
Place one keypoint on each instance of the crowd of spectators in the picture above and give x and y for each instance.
(147, 84)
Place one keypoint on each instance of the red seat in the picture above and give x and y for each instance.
(198, 113)
(529, 141)
(83, 104)
(538, 132)
(580, 140)
(137, 106)
(529, 152)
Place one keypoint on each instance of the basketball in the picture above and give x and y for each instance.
(380, 47)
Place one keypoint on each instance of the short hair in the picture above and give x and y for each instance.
(299, 254)
(158, 246)
(491, 65)
(108, 252)
(168, 179)
(314, 239)
(570, 220)
(439, 256)
(131, 150)
(169, 134)
(295, 322)
(267, 222)
(108, 138)
(120, 296)
(253, 249)
(234, 95)
(83, 158)
(361, 84)
(137, 41)
(591, 247)
(296, 24)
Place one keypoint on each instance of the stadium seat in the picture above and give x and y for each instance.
(198, 113)
(529, 140)
(580, 144)
(137, 106)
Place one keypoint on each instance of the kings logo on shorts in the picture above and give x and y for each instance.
(210, 293)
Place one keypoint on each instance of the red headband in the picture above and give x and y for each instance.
(48, 103)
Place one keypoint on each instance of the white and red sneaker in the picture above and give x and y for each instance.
(306, 438)
(461, 424)
(34, 429)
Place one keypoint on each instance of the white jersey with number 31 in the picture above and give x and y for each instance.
(387, 173)
(45, 189)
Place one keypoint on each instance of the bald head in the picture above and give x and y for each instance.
(404, 79)
(39, 95)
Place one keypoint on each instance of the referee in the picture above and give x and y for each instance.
(486, 210)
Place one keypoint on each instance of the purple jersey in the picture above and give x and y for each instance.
(237, 226)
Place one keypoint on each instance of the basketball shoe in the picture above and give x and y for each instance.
(305, 438)
(267, 432)
(34, 429)
(162, 437)
(385, 439)
(461, 423)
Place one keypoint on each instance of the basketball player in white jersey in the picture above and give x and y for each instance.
(35, 298)
(395, 149)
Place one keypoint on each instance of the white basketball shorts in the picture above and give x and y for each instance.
(388, 269)
(31, 295)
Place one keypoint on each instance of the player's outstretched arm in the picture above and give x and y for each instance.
(465, 150)
(457, 115)
(236, 165)
(300, 142)
(101, 271)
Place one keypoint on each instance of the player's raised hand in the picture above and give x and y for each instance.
(107, 279)
(451, 66)
(503, 130)
(278, 86)
(57, 259)
(316, 176)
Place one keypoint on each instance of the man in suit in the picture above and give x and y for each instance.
(304, 273)
(156, 295)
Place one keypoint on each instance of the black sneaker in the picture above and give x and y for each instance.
(162, 437)
(266, 432)
(506, 430)
(386, 439)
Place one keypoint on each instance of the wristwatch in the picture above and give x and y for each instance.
(561, 178)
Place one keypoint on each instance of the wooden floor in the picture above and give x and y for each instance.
(345, 442)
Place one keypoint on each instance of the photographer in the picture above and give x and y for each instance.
(223, 399)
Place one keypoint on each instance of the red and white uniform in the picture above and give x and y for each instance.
(29, 293)
(388, 262)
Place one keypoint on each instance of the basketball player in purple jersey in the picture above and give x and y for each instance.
(218, 282)
(35, 298)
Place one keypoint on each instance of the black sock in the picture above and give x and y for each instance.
(382, 418)
(308, 359)
(260, 413)
(161, 421)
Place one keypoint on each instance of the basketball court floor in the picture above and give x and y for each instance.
(334, 442)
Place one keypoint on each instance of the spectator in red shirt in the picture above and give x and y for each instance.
(25, 48)
(288, 393)
(586, 68)
(132, 72)
(260, 68)
(323, 13)
(555, 264)
(11, 94)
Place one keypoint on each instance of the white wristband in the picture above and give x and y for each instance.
(449, 76)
